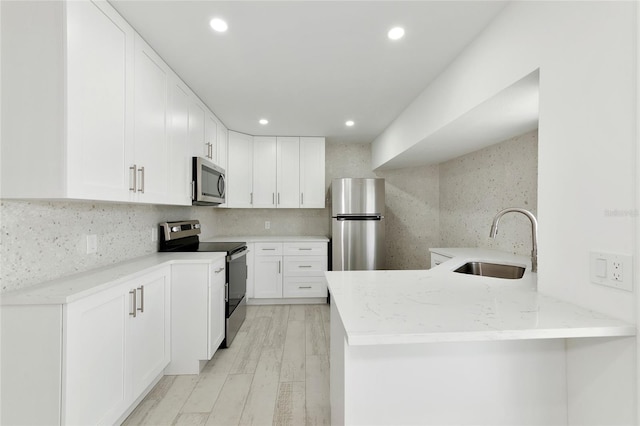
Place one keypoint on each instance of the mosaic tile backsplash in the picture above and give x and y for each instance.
(476, 186)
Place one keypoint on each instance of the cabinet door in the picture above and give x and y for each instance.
(267, 277)
(150, 123)
(312, 185)
(288, 174)
(100, 55)
(197, 136)
(96, 391)
(179, 153)
(211, 137)
(216, 307)
(148, 332)
(264, 172)
(222, 146)
(240, 170)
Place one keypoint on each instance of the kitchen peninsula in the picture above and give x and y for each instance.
(440, 347)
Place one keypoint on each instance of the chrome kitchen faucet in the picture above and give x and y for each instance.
(534, 232)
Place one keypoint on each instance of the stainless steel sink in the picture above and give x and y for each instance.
(494, 270)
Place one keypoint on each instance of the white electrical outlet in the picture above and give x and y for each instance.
(92, 244)
(154, 235)
(267, 225)
(611, 270)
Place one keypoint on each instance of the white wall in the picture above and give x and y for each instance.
(586, 55)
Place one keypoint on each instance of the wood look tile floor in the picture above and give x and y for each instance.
(276, 372)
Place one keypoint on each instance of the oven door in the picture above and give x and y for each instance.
(236, 279)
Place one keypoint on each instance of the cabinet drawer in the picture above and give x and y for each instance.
(304, 287)
(305, 249)
(268, 249)
(297, 266)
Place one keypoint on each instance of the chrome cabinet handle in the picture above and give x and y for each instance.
(306, 286)
(267, 249)
(279, 265)
(141, 308)
(217, 271)
(273, 198)
(133, 311)
(278, 198)
(305, 248)
(301, 198)
(132, 187)
(141, 170)
(251, 195)
(305, 266)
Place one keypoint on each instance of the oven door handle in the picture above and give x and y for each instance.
(237, 255)
(226, 292)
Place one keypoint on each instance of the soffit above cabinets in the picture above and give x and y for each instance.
(511, 112)
(309, 66)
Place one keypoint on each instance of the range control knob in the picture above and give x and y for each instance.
(175, 229)
(196, 226)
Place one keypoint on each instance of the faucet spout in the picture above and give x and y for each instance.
(534, 232)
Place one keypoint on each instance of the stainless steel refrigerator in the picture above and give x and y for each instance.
(357, 224)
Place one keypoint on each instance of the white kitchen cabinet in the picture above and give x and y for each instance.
(288, 172)
(197, 314)
(223, 135)
(149, 350)
(68, 65)
(92, 359)
(289, 270)
(217, 305)
(268, 272)
(179, 165)
(211, 137)
(240, 170)
(265, 184)
(149, 165)
(96, 353)
(312, 170)
(197, 127)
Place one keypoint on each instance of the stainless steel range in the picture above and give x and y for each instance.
(183, 237)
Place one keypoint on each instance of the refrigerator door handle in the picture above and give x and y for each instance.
(359, 217)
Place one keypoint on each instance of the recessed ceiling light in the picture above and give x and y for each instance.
(349, 123)
(218, 25)
(396, 33)
(263, 121)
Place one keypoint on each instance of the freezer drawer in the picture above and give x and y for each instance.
(358, 245)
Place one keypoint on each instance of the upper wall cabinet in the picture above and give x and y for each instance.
(312, 166)
(90, 111)
(275, 172)
(67, 88)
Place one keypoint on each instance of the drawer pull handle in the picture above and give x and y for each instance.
(306, 286)
(141, 308)
(265, 249)
(134, 304)
(303, 248)
(305, 266)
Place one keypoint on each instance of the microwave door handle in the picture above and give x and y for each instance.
(221, 185)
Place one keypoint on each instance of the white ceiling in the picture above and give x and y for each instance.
(308, 66)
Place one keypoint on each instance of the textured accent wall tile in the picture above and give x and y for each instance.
(476, 186)
(44, 240)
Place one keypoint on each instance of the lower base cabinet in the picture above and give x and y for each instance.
(197, 314)
(107, 349)
(290, 270)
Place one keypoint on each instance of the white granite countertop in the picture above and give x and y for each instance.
(68, 289)
(267, 238)
(439, 305)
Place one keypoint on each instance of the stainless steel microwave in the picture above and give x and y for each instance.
(208, 186)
